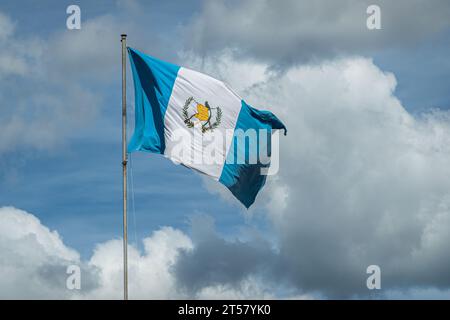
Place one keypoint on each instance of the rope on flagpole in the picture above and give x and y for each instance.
(133, 206)
(123, 39)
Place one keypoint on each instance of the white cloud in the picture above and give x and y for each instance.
(150, 276)
(35, 259)
(19, 225)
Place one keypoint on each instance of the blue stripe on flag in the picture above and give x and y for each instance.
(244, 180)
(153, 83)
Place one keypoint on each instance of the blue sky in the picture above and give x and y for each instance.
(76, 188)
(422, 72)
(69, 176)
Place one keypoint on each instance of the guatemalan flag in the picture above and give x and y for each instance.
(198, 121)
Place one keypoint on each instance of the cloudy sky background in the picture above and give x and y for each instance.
(364, 176)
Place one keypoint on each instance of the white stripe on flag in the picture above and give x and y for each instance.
(202, 88)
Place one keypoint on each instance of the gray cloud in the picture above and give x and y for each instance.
(216, 261)
(361, 182)
(302, 31)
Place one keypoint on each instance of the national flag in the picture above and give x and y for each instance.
(199, 121)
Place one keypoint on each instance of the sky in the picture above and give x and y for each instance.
(363, 180)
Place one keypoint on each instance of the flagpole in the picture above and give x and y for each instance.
(124, 166)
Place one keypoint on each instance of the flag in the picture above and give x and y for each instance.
(199, 122)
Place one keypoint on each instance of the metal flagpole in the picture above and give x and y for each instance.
(124, 165)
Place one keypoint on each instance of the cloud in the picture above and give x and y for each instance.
(149, 273)
(302, 31)
(366, 182)
(35, 259)
(14, 60)
(6, 26)
(54, 87)
(215, 261)
(417, 294)
(31, 254)
(43, 103)
(361, 181)
(171, 264)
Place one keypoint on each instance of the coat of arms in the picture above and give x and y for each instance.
(203, 113)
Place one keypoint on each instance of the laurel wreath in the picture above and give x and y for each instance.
(190, 124)
(218, 119)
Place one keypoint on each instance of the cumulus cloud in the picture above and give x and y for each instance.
(361, 181)
(298, 31)
(150, 275)
(35, 260)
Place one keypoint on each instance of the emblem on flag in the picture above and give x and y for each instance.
(203, 113)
